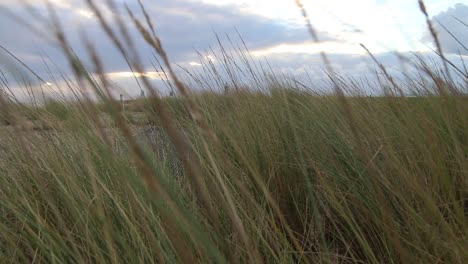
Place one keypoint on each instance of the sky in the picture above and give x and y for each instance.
(271, 29)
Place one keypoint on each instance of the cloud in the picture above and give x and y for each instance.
(340, 47)
(448, 19)
(184, 25)
(150, 75)
(188, 25)
(181, 24)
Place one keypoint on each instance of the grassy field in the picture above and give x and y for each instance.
(271, 175)
(281, 178)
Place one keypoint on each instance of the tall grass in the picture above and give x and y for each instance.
(272, 173)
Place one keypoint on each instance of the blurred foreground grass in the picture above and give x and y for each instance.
(304, 182)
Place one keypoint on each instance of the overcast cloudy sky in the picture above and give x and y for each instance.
(271, 28)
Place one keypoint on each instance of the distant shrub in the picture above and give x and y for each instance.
(57, 109)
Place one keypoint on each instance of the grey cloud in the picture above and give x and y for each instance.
(182, 25)
(361, 67)
(448, 19)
